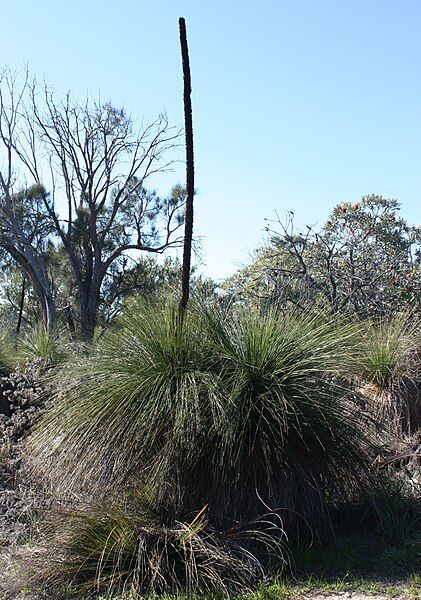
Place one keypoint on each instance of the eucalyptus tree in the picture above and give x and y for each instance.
(364, 260)
(96, 165)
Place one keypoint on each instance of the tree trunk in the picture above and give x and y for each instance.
(188, 124)
(89, 305)
(50, 312)
(46, 300)
(39, 278)
(21, 304)
(69, 319)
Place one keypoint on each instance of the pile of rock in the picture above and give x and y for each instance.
(22, 400)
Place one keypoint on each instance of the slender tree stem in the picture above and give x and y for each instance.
(188, 125)
(21, 304)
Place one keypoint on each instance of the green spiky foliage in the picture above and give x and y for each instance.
(138, 381)
(289, 438)
(238, 411)
(51, 346)
(389, 368)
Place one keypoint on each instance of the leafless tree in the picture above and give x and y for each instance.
(96, 166)
(365, 259)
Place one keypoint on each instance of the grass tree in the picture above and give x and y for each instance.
(236, 427)
(389, 370)
(237, 411)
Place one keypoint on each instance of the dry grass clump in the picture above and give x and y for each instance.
(127, 549)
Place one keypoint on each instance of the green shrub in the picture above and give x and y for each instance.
(288, 439)
(39, 343)
(245, 413)
(388, 350)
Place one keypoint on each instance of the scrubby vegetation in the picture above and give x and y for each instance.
(207, 454)
(254, 438)
(266, 430)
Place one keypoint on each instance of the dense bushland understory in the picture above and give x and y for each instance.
(205, 454)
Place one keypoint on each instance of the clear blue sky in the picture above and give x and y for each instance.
(298, 104)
